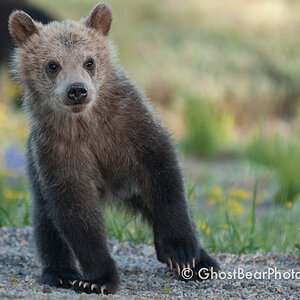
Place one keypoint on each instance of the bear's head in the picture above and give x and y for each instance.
(62, 66)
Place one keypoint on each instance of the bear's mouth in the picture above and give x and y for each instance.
(76, 108)
(77, 103)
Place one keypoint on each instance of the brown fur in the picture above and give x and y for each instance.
(111, 147)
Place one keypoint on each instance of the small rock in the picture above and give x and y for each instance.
(148, 251)
(114, 249)
(228, 287)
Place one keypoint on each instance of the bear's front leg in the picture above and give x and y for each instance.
(77, 216)
(57, 260)
(174, 235)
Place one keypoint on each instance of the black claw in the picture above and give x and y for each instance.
(105, 292)
(88, 286)
(94, 287)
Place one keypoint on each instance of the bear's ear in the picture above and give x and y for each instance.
(21, 26)
(100, 18)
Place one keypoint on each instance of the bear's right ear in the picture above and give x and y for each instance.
(100, 18)
(21, 26)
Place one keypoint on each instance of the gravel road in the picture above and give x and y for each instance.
(142, 276)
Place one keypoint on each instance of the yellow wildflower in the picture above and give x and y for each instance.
(236, 207)
(203, 226)
(132, 230)
(207, 231)
(8, 194)
(12, 195)
(216, 192)
(240, 193)
(288, 204)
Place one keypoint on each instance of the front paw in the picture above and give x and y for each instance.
(60, 279)
(178, 253)
(186, 257)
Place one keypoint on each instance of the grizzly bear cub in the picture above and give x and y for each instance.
(94, 139)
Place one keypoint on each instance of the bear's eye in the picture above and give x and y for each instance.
(89, 65)
(53, 66)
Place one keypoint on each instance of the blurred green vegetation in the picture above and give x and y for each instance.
(208, 132)
(283, 156)
(218, 72)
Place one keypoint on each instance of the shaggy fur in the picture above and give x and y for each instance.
(110, 147)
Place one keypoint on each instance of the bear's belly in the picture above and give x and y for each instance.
(120, 189)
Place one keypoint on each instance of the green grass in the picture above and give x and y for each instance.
(236, 230)
(14, 200)
(277, 232)
(122, 227)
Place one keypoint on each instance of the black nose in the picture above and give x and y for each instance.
(77, 91)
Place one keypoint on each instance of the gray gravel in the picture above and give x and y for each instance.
(142, 276)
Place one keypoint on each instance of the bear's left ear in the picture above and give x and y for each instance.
(100, 18)
(21, 26)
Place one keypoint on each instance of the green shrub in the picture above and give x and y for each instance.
(282, 156)
(207, 130)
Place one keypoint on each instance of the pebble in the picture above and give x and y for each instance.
(148, 251)
(228, 287)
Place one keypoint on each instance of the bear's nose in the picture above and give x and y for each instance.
(77, 91)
